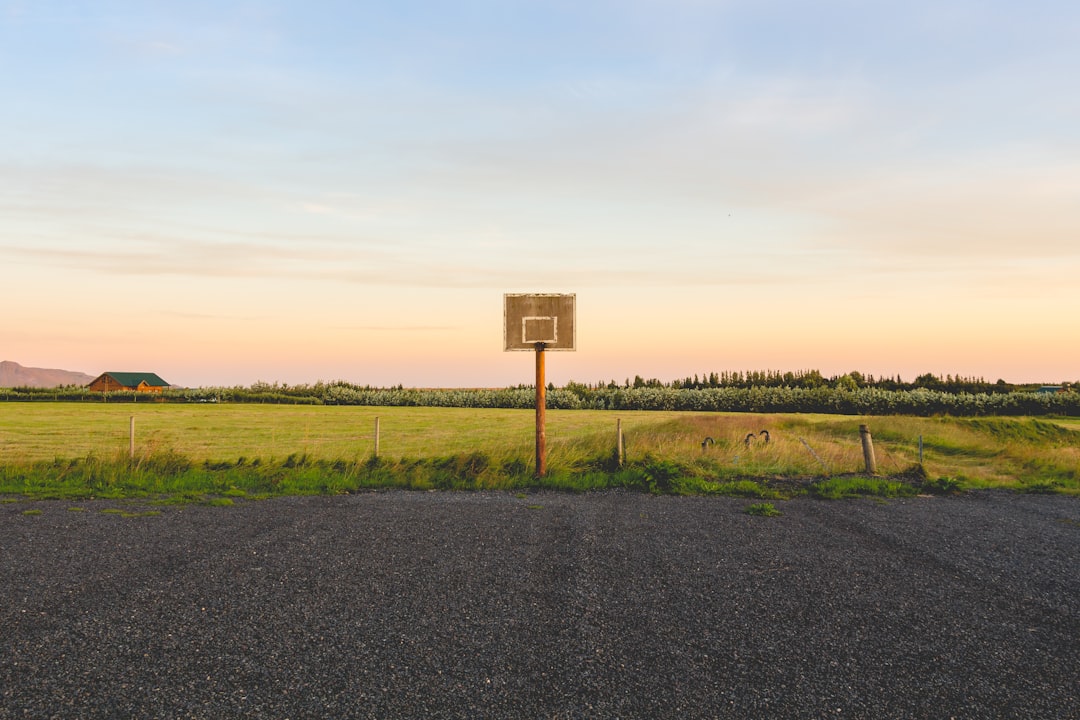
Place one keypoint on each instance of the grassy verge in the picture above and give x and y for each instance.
(171, 478)
(220, 452)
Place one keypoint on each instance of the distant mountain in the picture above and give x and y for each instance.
(12, 374)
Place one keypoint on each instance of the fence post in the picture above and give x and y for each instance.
(376, 454)
(619, 441)
(131, 438)
(920, 451)
(868, 449)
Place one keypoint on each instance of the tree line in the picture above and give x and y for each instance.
(808, 392)
(811, 379)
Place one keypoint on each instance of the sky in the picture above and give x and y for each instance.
(293, 191)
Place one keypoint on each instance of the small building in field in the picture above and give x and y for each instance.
(128, 382)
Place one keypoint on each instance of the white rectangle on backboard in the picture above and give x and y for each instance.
(533, 318)
(543, 329)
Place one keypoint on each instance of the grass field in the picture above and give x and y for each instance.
(421, 443)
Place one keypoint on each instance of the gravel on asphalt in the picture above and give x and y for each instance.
(545, 605)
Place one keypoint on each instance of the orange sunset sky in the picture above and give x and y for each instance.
(287, 191)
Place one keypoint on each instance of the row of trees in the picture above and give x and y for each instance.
(811, 379)
(827, 398)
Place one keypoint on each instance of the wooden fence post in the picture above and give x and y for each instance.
(376, 453)
(131, 438)
(619, 441)
(868, 449)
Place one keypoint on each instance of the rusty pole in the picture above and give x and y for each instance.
(541, 413)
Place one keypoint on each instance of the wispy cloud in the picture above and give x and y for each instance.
(157, 47)
(173, 256)
(399, 328)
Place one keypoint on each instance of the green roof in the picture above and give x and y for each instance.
(132, 379)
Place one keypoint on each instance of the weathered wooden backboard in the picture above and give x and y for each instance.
(546, 318)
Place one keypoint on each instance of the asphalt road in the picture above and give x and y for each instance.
(613, 605)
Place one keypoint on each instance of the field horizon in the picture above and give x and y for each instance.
(15, 375)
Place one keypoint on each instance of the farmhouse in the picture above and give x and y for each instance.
(128, 381)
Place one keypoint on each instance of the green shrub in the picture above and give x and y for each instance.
(943, 486)
(659, 475)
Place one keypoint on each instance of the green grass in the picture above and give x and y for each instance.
(224, 432)
(221, 453)
(850, 487)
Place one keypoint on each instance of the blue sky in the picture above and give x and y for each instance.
(228, 192)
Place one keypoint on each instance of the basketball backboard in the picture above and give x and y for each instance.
(546, 318)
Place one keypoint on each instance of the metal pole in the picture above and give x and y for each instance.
(541, 414)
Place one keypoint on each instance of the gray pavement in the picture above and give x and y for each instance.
(611, 605)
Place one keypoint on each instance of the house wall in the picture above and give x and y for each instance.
(107, 384)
